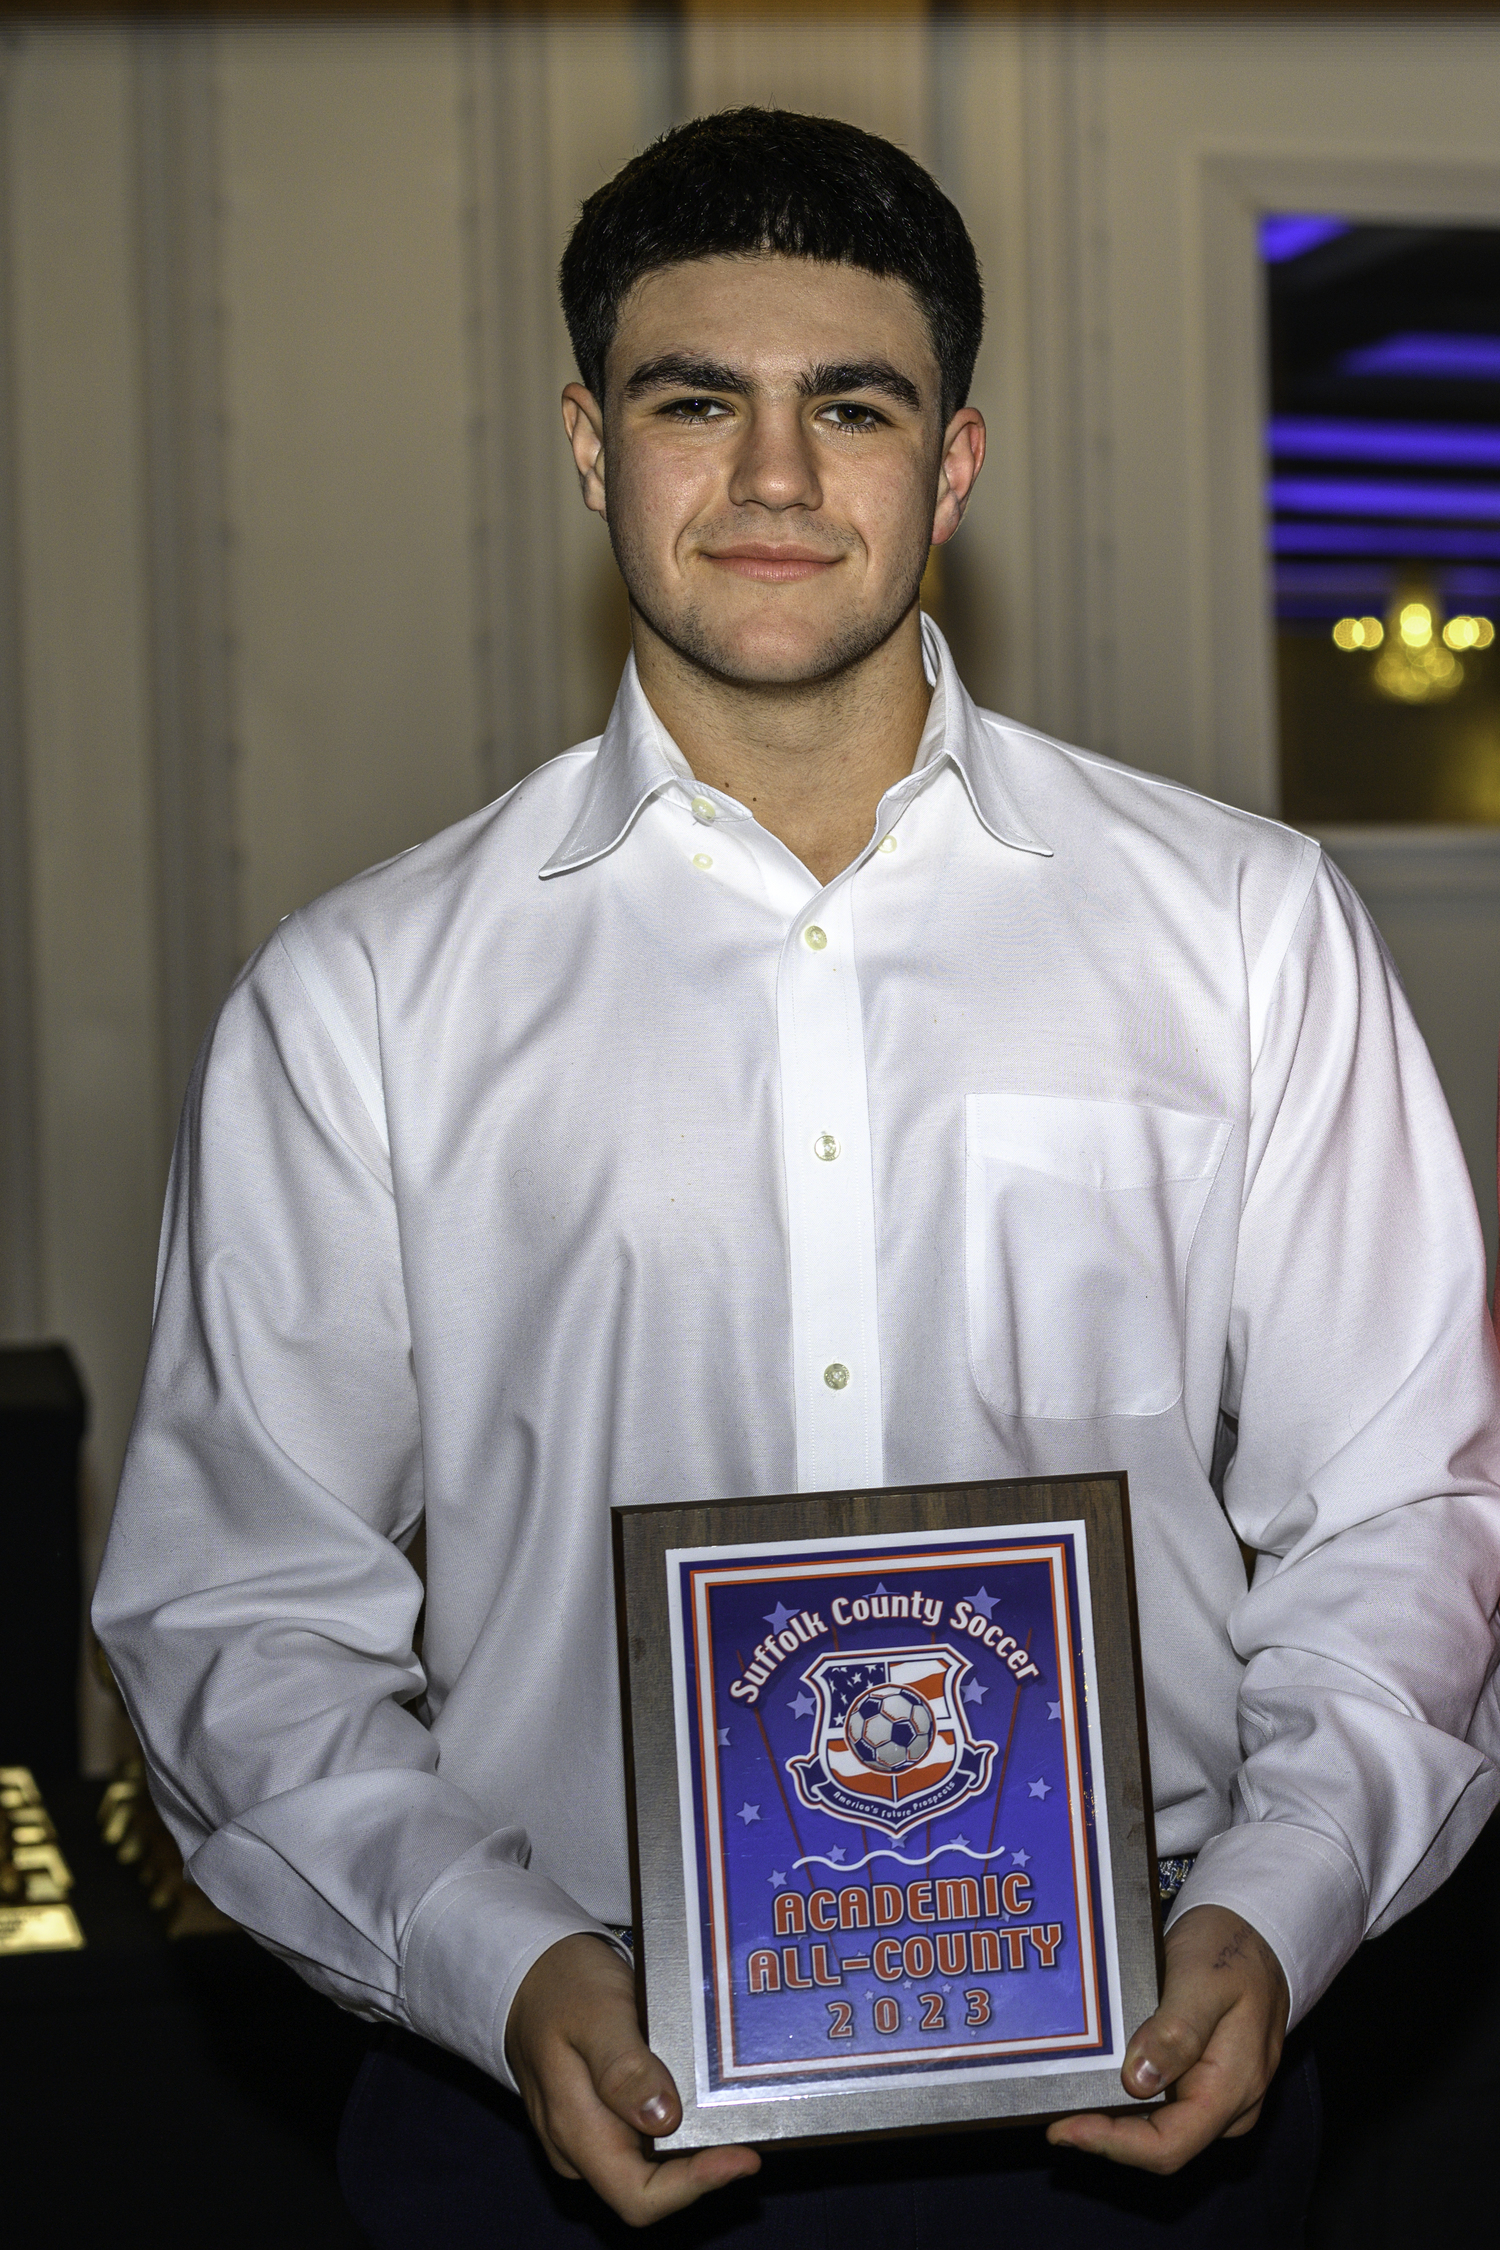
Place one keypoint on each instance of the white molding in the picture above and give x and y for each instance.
(550, 110)
(517, 565)
(1234, 689)
(20, 1197)
(178, 197)
(1234, 662)
(1073, 668)
(1417, 863)
(877, 70)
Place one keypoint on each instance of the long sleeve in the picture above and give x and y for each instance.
(255, 1600)
(1362, 1377)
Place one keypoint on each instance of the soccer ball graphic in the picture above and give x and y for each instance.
(890, 1728)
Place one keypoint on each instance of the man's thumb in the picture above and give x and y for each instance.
(632, 2081)
(1166, 2045)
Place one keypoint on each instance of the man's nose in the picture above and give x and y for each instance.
(775, 466)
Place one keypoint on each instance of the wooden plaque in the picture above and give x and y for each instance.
(890, 1811)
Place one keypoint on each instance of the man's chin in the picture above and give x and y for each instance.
(772, 654)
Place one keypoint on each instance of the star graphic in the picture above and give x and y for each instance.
(960, 1839)
(983, 1602)
(1054, 1710)
(777, 1877)
(1040, 1789)
(723, 1738)
(837, 1855)
(880, 1589)
(803, 1708)
(975, 1692)
(747, 1813)
(1020, 1859)
(780, 1617)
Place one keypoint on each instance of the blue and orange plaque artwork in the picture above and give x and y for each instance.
(897, 1861)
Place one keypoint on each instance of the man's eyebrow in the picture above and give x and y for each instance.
(678, 371)
(861, 375)
(681, 371)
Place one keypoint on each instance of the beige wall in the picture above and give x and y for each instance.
(347, 408)
(297, 572)
(76, 385)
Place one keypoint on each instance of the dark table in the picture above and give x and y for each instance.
(162, 2091)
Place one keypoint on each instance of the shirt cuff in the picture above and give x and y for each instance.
(1302, 1893)
(469, 1944)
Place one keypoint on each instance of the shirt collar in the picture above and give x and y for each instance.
(956, 735)
(637, 760)
(630, 767)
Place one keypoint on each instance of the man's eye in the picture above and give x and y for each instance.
(694, 409)
(845, 415)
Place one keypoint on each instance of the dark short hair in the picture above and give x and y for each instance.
(748, 180)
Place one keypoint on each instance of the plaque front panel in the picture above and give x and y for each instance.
(897, 1862)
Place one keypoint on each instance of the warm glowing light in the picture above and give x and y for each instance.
(1468, 632)
(1358, 632)
(1416, 664)
(1418, 675)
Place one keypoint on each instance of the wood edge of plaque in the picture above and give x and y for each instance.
(642, 1535)
(627, 1733)
(1123, 1729)
(1143, 1737)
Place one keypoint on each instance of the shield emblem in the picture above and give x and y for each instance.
(891, 1744)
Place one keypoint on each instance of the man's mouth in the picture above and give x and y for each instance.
(773, 562)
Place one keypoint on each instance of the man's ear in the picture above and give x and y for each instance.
(963, 458)
(583, 419)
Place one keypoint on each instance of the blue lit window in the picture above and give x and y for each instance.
(1383, 504)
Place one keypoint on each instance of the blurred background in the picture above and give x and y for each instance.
(293, 569)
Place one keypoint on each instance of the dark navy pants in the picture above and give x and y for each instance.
(435, 2156)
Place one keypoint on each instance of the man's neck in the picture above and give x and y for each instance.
(811, 762)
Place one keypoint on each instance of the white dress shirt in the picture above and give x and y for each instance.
(593, 1152)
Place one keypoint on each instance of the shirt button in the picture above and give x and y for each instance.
(701, 859)
(815, 937)
(825, 1148)
(703, 810)
(886, 844)
(836, 1375)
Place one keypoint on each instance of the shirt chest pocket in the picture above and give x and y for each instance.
(1079, 1222)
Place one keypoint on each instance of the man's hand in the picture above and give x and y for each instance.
(593, 2087)
(1216, 2039)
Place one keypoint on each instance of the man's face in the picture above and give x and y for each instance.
(772, 463)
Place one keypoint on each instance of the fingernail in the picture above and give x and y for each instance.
(1147, 2075)
(656, 2111)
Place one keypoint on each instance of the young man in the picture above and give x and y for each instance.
(814, 1083)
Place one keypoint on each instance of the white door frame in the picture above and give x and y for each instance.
(1234, 187)
(1434, 891)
